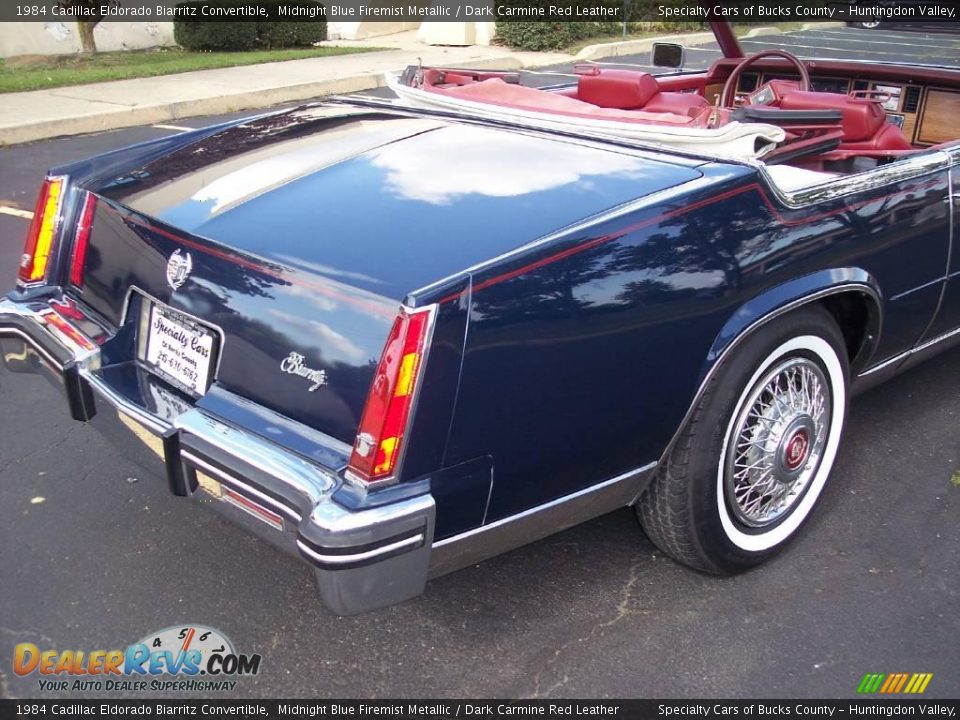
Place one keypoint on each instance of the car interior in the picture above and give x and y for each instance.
(838, 117)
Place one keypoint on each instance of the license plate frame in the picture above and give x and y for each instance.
(170, 345)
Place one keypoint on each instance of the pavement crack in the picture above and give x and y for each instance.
(48, 449)
(622, 611)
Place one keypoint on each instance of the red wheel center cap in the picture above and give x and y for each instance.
(796, 451)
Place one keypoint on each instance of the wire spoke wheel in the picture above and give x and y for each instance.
(755, 455)
(777, 442)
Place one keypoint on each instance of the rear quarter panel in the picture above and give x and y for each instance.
(583, 356)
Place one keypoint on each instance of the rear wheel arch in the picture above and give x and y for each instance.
(850, 295)
(853, 302)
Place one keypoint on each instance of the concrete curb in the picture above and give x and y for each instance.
(151, 114)
(631, 47)
(82, 114)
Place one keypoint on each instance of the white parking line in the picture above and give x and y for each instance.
(178, 128)
(16, 212)
(872, 41)
(790, 47)
(887, 35)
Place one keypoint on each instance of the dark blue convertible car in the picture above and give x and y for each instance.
(397, 339)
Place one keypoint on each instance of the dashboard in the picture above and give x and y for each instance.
(927, 113)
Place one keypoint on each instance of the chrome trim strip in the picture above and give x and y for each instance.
(309, 479)
(846, 287)
(908, 353)
(546, 506)
(924, 286)
(334, 518)
(14, 332)
(241, 486)
(84, 358)
(910, 167)
(412, 541)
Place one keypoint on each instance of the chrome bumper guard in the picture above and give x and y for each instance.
(363, 559)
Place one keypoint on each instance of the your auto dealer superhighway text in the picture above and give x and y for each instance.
(779, 710)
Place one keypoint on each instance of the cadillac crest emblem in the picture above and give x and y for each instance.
(178, 269)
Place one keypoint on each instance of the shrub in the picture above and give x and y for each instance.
(291, 33)
(206, 34)
(543, 35)
(202, 34)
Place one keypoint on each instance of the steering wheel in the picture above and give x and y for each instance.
(728, 95)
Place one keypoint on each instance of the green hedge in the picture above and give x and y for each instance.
(543, 35)
(199, 34)
(220, 35)
(291, 34)
(641, 16)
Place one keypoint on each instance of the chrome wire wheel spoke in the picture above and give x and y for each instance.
(776, 442)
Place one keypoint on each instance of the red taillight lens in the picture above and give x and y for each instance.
(82, 239)
(384, 423)
(42, 233)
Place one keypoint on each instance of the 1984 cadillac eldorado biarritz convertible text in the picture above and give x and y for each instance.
(399, 337)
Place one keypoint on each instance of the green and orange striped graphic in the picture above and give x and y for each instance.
(894, 683)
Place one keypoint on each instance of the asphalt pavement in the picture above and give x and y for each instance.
(94, 555)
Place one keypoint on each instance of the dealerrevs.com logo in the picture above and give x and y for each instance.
(179, 658)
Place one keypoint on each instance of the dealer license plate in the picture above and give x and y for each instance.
(177, 348)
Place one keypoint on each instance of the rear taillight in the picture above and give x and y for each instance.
(381, 433)
(43, 232)
(82, 239)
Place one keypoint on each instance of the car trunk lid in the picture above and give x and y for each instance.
(297, 236)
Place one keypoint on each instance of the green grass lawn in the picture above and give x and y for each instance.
(37, 73)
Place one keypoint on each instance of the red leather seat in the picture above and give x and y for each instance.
(864, 122)
(633, 90)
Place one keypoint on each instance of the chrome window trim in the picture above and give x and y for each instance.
(910, 167)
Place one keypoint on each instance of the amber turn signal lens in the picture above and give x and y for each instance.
(387, 411)
(42, 234)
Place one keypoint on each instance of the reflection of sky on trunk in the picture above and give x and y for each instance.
(401, 215)
(456, 161)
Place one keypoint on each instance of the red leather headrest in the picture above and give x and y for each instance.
(621, 89)
(861, 118)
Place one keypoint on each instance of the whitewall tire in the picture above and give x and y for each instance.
(751, 464)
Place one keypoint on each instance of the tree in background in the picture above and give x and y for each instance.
(91, 12)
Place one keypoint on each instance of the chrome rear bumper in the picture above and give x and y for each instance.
(363, 558)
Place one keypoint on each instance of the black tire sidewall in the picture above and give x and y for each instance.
(727, 386)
